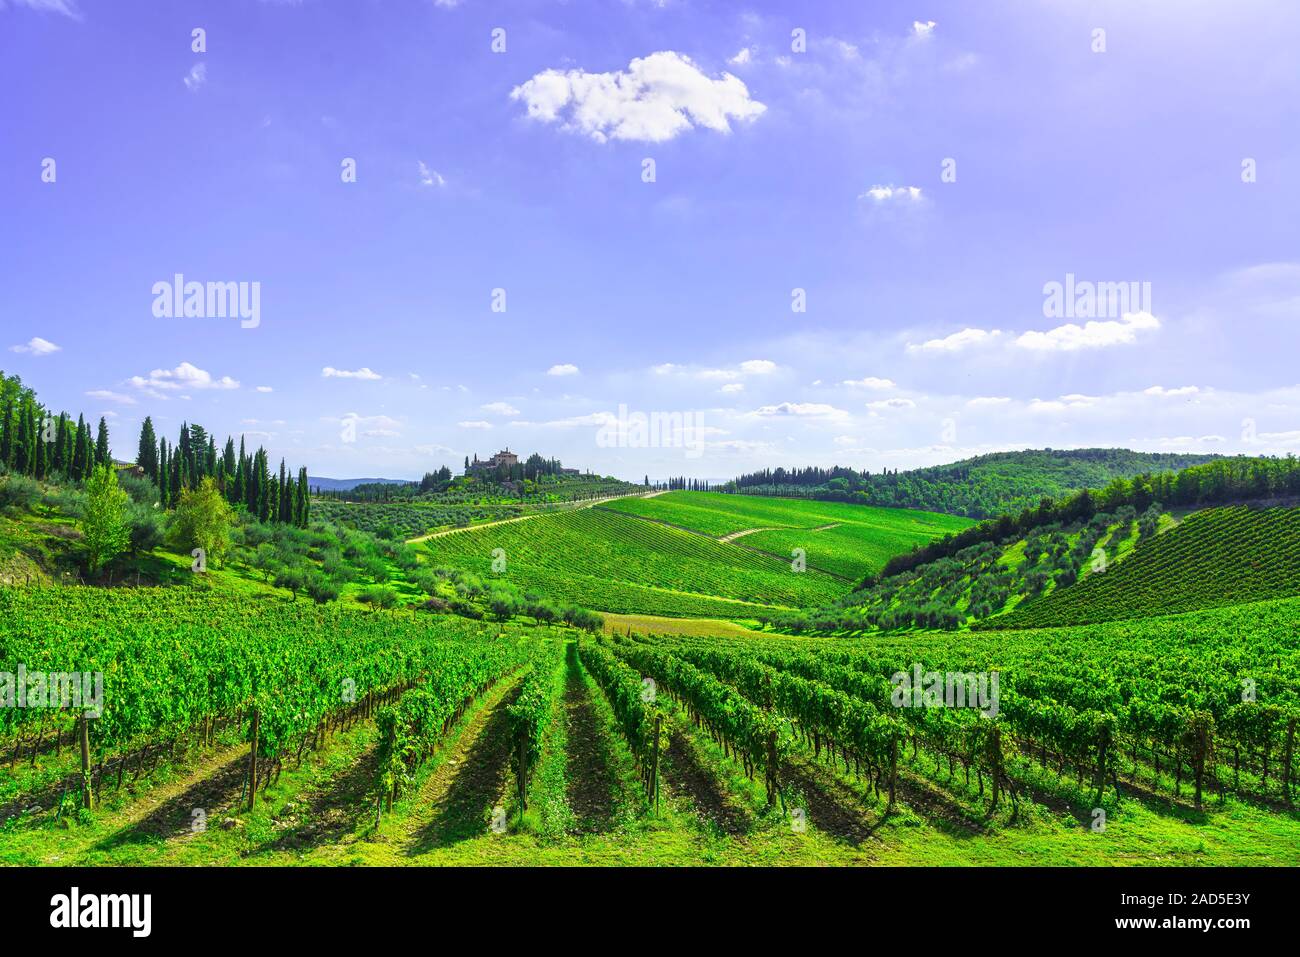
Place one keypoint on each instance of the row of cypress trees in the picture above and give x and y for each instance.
(39, 444)
(244, 479)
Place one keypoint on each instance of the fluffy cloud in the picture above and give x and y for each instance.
(655, 99)
(564, 368)
(1160, 390)
(899, 194)
(987, 401)
(36, 346)
(870, 382)
(956, 342)
(329, 372)
(1095, 334)
(184, 376)
(757, 366)
(733, 387)
(476, 424)
(264, 388)
(500, 408)
(891, 404)
(743, 56)
(920, 29)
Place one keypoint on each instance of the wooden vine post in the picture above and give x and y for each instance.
(86, 795)
(1286, 761)
(654, 765)
(252, 764)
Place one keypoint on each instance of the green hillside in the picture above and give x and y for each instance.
(846, 540)
(609, 561)
(980, 487)
(1215, 557)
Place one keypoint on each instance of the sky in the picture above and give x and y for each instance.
(656, 238)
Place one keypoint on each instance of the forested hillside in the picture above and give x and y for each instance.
(981, 487)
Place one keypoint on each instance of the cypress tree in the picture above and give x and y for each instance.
(303, 503)
(23, 458)
(147, 455)
(57, 463)
(7, 427)
(78, 471)
(282, 506)
(103, 456)
(241, 477)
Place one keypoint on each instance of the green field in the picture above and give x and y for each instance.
(609, 561)
(849, 541)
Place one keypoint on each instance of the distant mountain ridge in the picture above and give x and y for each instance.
(346, 485)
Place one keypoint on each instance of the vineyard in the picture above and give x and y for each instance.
(845, 540)
(439, 740)
(1218, 556)
(600, 558)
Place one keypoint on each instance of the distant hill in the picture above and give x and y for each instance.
(980, 487)
(346, 485)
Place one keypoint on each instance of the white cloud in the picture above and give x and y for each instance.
(430, 177)
(1160, 390)
(900, 194)
(197, 76)
(184, 376)
(892, 404)
(476, 424)
(329, 372)
(956, 342)
(111, 396)
(65, 7)
(36, 346)
(923, 29)
(733, 387)
(813, 410)
(870, 382)
(563, 368)
(742, 57)
(1095, 334)
(656, 98)
(264, 388)
(987, 401)
(748, 367)
(500, 408)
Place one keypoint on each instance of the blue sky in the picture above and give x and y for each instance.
(802, 147)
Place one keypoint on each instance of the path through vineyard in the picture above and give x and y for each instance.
(456, 800)
(589, 770)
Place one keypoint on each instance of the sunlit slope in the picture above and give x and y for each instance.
(1215, 557)
(609, 561)
(846, 540)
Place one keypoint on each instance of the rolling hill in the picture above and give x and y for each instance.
(683, 554)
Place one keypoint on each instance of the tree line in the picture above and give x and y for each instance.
(245, 479)
(40, 445)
